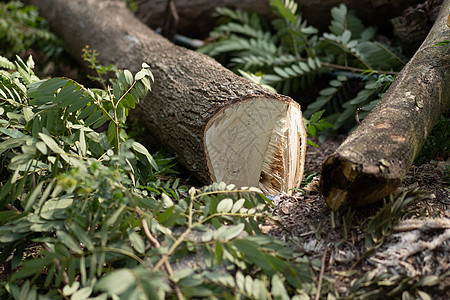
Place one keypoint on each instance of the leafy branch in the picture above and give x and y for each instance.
(293, 55)
(86, 199)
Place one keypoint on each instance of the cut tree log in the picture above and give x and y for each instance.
(372, 161)
(220, 125)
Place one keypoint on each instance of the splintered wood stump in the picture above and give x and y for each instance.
(221, 126)
(371, 162)
(256, 142)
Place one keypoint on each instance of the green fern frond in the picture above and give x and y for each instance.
(365, 98)
(293, 55)
(285, 8)
(6, 64)
(297, 69)
(21, 28)
(342, 20)
(253, 62)
(381, 56)
(242, 29)
(326, 95)
(242, 17)
(299, 74)
(293, 32)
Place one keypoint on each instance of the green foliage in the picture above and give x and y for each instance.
(314, 125)
(21, 28)
(291, 55)
(382, 224)
(445, 43)
(101, 222)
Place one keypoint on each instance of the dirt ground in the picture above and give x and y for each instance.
(418, 246)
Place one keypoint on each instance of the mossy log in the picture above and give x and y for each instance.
(221, 126)
(372, 161)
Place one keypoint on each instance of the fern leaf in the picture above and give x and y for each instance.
(6, 64)
(249, 18)
(343, 20)
(241, 29)
(326, 95)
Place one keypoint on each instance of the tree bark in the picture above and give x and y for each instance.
(221, 126)
(372, 161)
(196, 16)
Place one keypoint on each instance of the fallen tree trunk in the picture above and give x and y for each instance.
(221, 126)
(372, 161)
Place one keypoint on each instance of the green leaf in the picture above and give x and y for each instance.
(51, 144)
(180, 274)
(116, 282)
(82, 236)
(328, 91)
(82, 143)
(69, 241)
(80, 103)
(278, 288)
(238, 205)
(251, 252)
(6, 64)
(33, 196)
(82, 293)
(136, 241)
(94, 117)
(70, 289)
(228, 232)
(32, 267)
(128, 77)
(139, 75)
(225, 205)
(111, 132)
(128, 101)
(115, 216)
(138, 147)
(281, 72)
(49, 86)
(87, 111)
(219, 252)
(346, 36)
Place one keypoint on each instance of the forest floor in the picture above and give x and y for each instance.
(414, 255)
(418, 246)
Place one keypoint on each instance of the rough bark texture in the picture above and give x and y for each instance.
(189, 88)
(196, 16)
(372, 161)
(412, 27)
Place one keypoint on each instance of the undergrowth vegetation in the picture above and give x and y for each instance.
(85, 214)
(22, 29)
(291, 56)
(84, 199)
(103, 226)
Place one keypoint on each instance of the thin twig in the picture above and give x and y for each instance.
(165, 257)
(166, 263)
(358, 70)
(149, 234)
(357, 115)
(322, 270)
